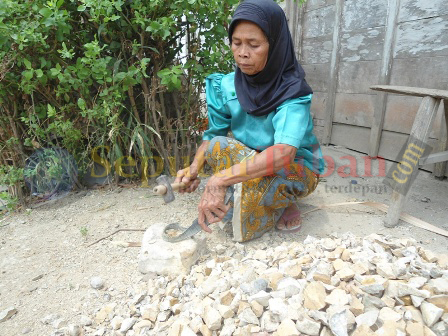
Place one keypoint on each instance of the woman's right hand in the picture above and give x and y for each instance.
(190, 177)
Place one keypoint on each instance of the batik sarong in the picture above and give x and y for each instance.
(257, 204)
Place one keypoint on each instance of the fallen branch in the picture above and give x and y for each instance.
(104, 207)
(126, 244)
(120, 230)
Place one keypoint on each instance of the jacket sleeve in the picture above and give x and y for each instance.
(218, 116)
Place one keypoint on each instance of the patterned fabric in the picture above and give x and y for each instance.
(257, 204)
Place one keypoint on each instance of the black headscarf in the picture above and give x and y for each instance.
(282, 78)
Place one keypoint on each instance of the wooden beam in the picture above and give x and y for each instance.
(334, 72)
(420, 132)
(386, 69)
(412, 91)
(434, 158)
(440, 167)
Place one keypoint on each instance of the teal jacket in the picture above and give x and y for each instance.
(289, 124)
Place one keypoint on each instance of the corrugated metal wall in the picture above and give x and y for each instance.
(346, 46)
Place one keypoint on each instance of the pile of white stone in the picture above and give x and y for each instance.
(332, 286)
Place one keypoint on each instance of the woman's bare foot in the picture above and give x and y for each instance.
(290, 220)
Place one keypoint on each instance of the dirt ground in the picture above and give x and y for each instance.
(46, 264)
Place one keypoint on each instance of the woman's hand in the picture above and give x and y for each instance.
(211, 205)
(188, 176)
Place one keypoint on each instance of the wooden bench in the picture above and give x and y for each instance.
(420, 131)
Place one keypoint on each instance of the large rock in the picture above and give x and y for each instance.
(164, 258)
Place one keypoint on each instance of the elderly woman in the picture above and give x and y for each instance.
(273, 158)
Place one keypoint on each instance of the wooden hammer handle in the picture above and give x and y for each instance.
(161, 189)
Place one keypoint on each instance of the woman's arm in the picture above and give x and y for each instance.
(265, 163)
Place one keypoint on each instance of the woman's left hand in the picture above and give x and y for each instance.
(211, 205)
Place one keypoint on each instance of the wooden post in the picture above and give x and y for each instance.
(294, 13)
(334, 73)
(440, 168)
(386, 69)
(420, 131)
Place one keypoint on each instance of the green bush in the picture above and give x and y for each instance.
(120, 75)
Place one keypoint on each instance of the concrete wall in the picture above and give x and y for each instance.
(346, 46)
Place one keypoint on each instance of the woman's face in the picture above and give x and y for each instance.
(250, 47)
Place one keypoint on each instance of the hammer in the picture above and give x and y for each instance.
(166, 189)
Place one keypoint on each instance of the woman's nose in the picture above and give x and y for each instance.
(243, 52)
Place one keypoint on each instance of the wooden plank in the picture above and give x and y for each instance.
(334, 72)
(385, 75)
(357, 138)
(440, 168)
(423, 72)
(420, 131)
(357, 77)
(427, 37)
(412, 91)
(354, 109)
(434, 158)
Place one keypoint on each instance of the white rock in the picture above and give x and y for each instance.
(268, 322)
(387, 270)
(417, 282)
(388, 314)
(278, 307)
(161, 257)
(314, 296)
(7, 314)
(287, 328)
(96, 282)
(439, 329)
(440, 285)
(116, 322)
(186, 331)
(49, 319)
(368, 318)
(127, 324)
(338, 323)
(338, 297)
(59, 323)
(225, 311)
(431, 313)
(254, 287)
(85, 320)
(74, 330)
(261, 297)
(291, 286)
(247, 316)
(196, 323)
(416, 300)
(212, 318)
(228, 328)
(308, 326)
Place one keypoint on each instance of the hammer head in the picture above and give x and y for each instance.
(169, 195)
